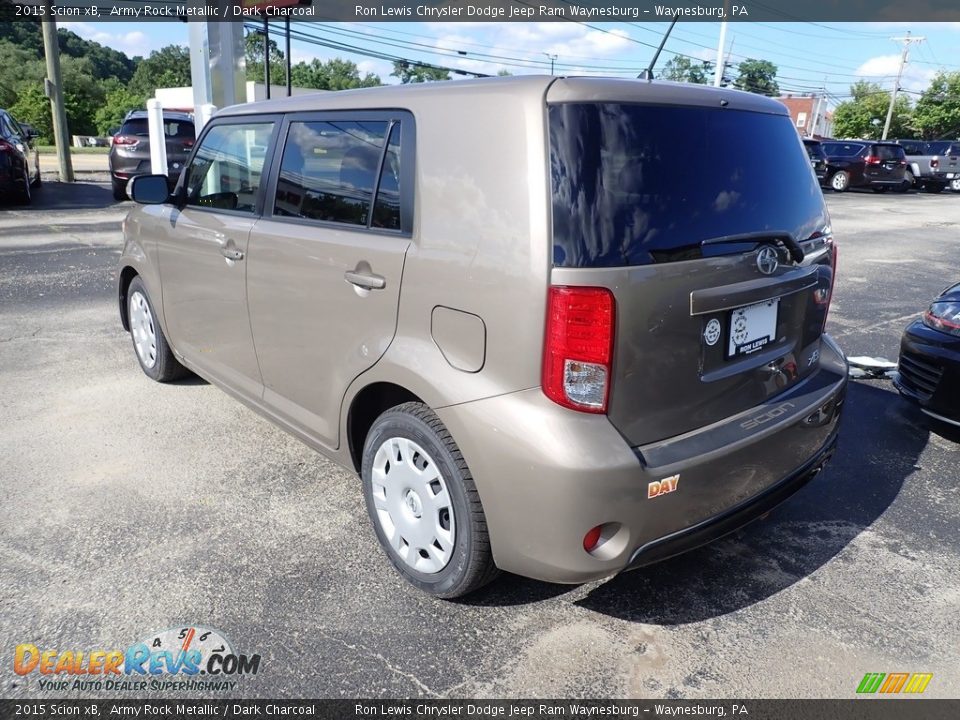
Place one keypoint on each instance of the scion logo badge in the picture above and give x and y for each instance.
(767, 260)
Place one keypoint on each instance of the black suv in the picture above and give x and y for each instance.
(130, 151)
(19, 161)
(880, 166)
(818, 158)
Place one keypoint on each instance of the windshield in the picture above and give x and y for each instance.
(635, 184)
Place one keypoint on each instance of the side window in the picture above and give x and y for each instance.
(386, 209)
(329, 170)
(225, 172)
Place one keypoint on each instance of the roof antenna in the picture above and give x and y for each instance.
(648, 73)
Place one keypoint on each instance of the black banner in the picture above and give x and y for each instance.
(877, 708)
(591, 11)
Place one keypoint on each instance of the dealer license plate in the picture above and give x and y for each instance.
(752, 327)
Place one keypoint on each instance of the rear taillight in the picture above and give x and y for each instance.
(872, 160)
(6, 147)
(578, 347)
(935, 163)
(825, 298)
(124, 140)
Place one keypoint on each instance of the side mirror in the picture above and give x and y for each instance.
(149, 189)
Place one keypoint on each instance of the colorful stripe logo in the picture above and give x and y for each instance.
(894, 683)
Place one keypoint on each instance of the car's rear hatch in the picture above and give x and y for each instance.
(705, 221)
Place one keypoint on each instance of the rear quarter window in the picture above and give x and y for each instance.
(635, 184)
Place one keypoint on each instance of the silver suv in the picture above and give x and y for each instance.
(539, 344)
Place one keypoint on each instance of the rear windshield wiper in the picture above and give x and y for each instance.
(780, 237)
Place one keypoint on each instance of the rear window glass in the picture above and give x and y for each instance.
(171, 128)
(914, 148)
(635, 184)
(942, 148)
(836, 149)
(888, 152)
(814, 150)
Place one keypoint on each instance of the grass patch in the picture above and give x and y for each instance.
(52, 150)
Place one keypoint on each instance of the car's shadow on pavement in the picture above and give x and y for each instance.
(67, 196)
(878, 450)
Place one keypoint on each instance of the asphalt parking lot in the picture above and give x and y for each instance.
(131, 507)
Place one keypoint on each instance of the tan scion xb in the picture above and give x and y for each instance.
(559, 326)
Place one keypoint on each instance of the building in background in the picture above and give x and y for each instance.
(810, 114)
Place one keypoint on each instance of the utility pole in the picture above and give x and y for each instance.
(896, 88)
(54, 90)
(718, 71)
(552, 58)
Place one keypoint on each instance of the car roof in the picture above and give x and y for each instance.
(535, 87)
(169, 114)
(811, 141)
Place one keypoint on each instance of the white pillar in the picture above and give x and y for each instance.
(202, 116)
(718, 72)
(158, 139)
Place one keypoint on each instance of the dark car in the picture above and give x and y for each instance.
(19, 161)
(818, 158)
(130, 151)
(929, 368)
(861, 163)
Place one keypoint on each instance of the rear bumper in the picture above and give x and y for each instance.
(547, 475)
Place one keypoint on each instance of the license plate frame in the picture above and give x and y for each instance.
(750, 328)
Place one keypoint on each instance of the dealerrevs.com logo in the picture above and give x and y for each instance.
(189, 658)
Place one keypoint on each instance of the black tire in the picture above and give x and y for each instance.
(165, 367)
(840, 181)
(23, 196)
(880, 189)
(471, 565)
(119, 191)
(37, 182)
(934, 188)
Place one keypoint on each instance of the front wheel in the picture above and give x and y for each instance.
(840, 181)
(149, 343)
(424, 505)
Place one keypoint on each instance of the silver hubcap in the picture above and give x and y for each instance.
(143, 330)
(412, 504)
(955, 185)
(839, 181)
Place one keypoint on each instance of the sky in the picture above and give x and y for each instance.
(810, 56)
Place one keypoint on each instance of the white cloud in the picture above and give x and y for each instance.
(883, 68)
(132, 43)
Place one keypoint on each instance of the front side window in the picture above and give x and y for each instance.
(329, 171)
(226, 171)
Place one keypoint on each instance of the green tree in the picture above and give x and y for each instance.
(683, 69)
(757, 76)
(33, 107)
(167, 67)
(409, 73)
(937, 113)
(864, 114)
(504, 73)
(254, 58)
(335, 74)
(118, 102)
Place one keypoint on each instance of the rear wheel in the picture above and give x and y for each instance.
(934, 187)
(907, 182)
(423, 503)
(840, 181)
(955, 184)
(149, 343)
(23, 194)
(880, 189)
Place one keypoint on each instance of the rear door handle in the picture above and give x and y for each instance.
(368, 281)
(231, 253)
